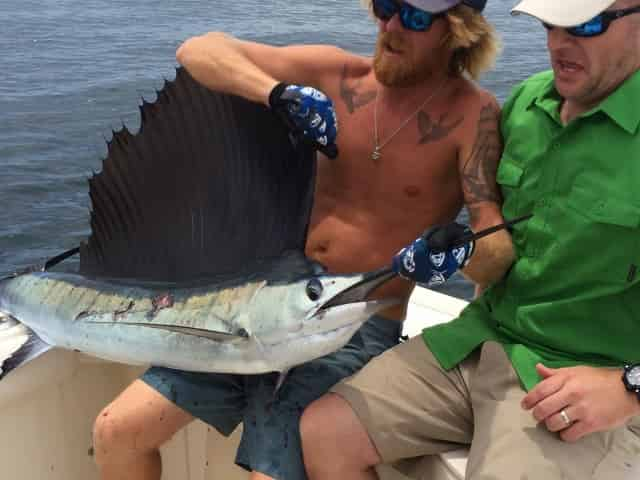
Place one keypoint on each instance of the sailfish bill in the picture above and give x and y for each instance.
(195, 259)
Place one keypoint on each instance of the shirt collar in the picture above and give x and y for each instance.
(620, 106)
(548, 99)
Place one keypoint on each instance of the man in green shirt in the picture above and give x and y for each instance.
(539, 373)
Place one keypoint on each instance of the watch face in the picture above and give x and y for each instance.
(633, 376)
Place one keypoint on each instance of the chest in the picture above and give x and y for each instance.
(590, 162)
(579, 183)
(404, 152)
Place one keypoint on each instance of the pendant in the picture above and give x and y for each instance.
(375, 156)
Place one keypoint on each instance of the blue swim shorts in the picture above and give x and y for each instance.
(270, 441)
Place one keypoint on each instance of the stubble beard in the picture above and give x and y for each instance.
(594, 90)
(400, 71)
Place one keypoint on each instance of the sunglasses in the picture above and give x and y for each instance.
(411, 18)
(598, 24)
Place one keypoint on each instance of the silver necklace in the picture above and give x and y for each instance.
(375, 155)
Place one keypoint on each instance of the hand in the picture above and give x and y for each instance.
(430, 259)
(593, 399)
(309, 114)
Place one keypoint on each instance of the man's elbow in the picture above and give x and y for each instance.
(192, 50)
(184, 51)
(188, 50)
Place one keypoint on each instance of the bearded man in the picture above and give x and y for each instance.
(418, 138)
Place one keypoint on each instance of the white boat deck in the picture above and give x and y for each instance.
(48, 406)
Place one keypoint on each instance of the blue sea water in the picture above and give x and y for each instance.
(73, 70)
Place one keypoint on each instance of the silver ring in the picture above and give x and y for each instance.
(565, 417)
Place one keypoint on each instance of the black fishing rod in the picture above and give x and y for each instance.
(457, 236)
(472, 237)
(52, 262)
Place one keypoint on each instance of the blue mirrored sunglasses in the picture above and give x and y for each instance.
(411, 18)
(598, 24)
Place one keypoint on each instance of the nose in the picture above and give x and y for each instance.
(558, 37)
(392, 25)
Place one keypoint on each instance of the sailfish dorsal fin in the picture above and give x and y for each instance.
(209, 184)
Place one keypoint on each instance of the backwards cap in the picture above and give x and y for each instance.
(437, 6)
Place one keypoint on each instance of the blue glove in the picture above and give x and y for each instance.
(430, 259)
(309, 114)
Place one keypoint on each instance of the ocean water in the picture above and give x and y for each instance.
(73, 70)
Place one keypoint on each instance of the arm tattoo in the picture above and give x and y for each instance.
(479, 171)
(431, 131)
(352, 98)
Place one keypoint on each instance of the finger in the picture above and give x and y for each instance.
(545, 372)
(541, 391)
(550, 405)
(575, 432)
(557, 422)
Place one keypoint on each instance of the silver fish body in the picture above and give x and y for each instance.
(270, 322)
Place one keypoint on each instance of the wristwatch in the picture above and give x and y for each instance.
(631, 378)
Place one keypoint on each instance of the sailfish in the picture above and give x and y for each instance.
(195, 259)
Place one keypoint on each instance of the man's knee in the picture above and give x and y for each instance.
(138, 422)
(329, 426)
(315, 428)
(116, 436)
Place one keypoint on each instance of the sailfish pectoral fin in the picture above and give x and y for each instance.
(214, 335)
(19, 346)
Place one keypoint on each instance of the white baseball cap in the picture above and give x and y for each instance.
(437, 6)
(562, 13)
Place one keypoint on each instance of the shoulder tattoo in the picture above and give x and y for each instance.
(352, 94)
(479, 170)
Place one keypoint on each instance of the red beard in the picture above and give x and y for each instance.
(401, 69)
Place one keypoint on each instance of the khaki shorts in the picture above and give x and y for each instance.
(411, 407)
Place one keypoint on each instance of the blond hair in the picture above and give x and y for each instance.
(368, 4)
(473, 42)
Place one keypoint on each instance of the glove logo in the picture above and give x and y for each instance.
(437, 279)
(437, 259)
(460, 254)
(408, 262)
(316, 120)
(312, 92)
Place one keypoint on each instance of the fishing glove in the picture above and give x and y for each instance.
(309, 114)
(431, 259)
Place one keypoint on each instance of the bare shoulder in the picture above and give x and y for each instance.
(479, 152)
(474, 99)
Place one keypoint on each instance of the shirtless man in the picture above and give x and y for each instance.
(417, 139)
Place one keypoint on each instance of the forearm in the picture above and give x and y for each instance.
(220, 63)
(491, 259)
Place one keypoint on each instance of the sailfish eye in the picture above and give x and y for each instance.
(314, 289)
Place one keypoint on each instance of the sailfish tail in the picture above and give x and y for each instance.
(18, 344)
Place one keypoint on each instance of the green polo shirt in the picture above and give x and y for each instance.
(572, 296)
